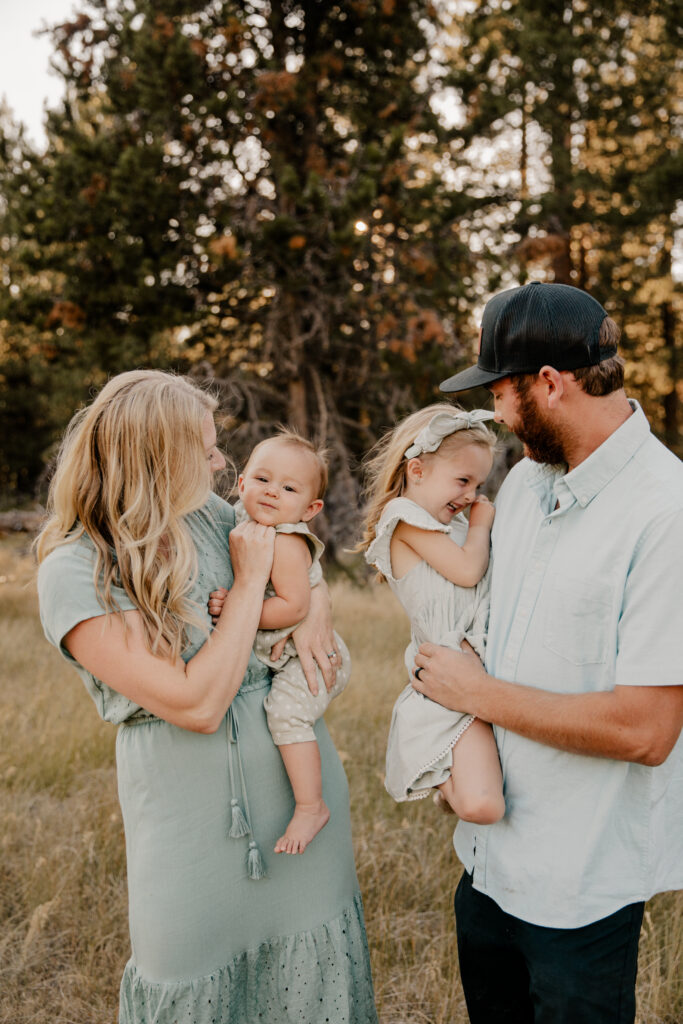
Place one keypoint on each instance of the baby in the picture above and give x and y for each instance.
(282, 485)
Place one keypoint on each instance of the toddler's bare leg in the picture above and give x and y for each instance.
(302, 764)
(475, 787)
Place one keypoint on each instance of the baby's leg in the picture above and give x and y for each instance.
(475, 787)
(302, 764)
(291, 710)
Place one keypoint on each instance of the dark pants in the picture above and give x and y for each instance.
(519, 973)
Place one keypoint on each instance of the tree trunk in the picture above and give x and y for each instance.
(671, 400)
(296, 406)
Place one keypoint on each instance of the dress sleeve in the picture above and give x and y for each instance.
(315, 545)
(398, 510)
(67, 594)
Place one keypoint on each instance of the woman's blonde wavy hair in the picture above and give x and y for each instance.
(131, 466)
(385, 464)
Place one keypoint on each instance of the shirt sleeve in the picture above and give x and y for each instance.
(651, 621)
(67, 594)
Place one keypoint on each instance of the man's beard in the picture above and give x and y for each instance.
(541, 441)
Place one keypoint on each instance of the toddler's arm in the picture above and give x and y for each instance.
(464, 565)
(289, 579)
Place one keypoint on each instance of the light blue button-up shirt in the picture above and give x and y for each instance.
(587, 575)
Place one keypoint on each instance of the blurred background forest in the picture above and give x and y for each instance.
(308, 203)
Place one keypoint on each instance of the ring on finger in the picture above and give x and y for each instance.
(417, 672)
(332, 655)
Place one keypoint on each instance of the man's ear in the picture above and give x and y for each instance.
(312, 510)
(552, 385)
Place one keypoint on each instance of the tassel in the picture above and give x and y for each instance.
(255, 865)
(238, 826)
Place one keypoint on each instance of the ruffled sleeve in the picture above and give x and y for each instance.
(315, 544)
(398, 510)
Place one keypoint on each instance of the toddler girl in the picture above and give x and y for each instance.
(422, 477)
(282, 485)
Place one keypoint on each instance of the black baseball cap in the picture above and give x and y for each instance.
(536, 325)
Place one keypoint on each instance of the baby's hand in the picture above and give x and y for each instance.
(482, 512)
(216, 602)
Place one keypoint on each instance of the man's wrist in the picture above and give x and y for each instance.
(477, 683)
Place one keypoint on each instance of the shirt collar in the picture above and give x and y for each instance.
(601, 466)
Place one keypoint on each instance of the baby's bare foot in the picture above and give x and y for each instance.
(306, 822)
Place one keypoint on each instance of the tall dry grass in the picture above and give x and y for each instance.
(63, 932)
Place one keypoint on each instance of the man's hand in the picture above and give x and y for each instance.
(629, 723)
(451, 678)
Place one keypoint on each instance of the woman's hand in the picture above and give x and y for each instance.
(314, 641)
(248, 551)
(251, 552)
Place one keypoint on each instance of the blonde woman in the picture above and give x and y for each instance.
(221, 929)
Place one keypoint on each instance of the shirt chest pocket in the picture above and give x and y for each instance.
(577, 618)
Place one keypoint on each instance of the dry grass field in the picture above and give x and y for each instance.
(63, 931)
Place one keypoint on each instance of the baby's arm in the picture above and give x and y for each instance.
(289, 579)
(464, 565)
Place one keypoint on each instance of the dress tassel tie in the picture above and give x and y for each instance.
(238, 823)
(240, 820)
(255, 865)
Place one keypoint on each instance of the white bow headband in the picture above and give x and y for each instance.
(443, 424)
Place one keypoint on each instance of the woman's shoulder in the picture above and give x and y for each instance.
(66, 578)
(219, 509)
(71, 556)
(214, 519)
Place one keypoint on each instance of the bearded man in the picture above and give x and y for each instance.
(583, 680)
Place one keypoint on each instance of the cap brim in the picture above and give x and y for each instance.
(473, 378)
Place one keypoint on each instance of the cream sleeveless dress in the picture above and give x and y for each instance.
(423, 733)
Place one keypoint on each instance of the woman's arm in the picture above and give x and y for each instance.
(464, 565)
(289, 578)
(193, 695)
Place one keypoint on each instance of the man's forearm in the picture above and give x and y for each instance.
(630, 723)
(593, 724)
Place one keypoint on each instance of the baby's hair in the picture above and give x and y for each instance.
(385, 464)
(287, 435)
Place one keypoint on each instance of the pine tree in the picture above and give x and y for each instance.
(253, 190)
(579, 103)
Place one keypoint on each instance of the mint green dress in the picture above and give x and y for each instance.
(212, 941)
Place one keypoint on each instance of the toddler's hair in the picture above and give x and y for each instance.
(385, 463)
(292, 437)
